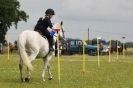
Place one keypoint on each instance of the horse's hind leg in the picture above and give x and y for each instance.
(31, 57)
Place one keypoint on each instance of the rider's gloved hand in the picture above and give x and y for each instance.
(52, 33)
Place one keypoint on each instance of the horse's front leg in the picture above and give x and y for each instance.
(20, 69)
(49, 72)
(46, 66)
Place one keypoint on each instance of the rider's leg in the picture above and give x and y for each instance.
(50, 40)
(51, 43)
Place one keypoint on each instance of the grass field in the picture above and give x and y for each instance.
(116, 74)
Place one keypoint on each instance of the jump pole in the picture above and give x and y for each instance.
(98, 59)
(123, 50)
(117, 50)
(123, 47)
(8, 48)
(83, 59)
(83, 56)
(110, 51)
(58, 56)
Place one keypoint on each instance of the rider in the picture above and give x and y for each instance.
(43, 24)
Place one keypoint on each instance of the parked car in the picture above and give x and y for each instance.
(75, 46)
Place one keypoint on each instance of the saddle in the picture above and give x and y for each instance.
(49, 40)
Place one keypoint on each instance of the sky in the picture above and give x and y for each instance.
(108, 19)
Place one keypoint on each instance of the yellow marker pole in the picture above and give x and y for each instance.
(117, 51)
(83, 59)
(83, 55)
(110, 51)
(58, 57)
(124, 47)
(8, 48)
(98, 59)
(123, 50)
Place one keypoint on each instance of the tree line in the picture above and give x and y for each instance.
(10, 14)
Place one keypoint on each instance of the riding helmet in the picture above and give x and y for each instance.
(50, 11)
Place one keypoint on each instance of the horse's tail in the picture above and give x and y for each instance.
(22, 51)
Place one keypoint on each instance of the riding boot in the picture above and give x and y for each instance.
(51, 43)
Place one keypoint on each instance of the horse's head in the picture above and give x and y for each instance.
(59, 28)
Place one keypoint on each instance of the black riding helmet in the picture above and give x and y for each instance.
(50, 11)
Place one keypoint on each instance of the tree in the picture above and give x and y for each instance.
(10, 14)
(129, 44)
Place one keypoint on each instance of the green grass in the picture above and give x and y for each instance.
(116, 74)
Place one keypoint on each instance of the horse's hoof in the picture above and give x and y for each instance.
(50, 78)
(27, 79)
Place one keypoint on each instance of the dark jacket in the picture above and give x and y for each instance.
(43, 24)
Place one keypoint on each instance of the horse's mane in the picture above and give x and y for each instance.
(57, 26)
